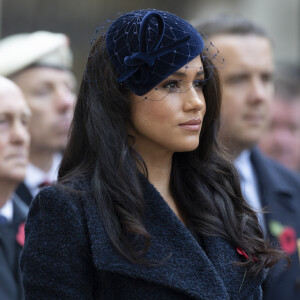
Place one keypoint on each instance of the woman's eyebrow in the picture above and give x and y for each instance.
(200, 73)
(179, 74)
(184, 74)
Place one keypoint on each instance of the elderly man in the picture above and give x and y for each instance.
(39, 63)
(14, 152)
(247, 96)
(282, 138)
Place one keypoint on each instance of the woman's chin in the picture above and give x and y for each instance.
(188, 147)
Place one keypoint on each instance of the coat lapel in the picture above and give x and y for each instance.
(223, 255)
(276, 194)
(280, 193)
(8, 285)
(184, 265)
(8, 243)
(20, 212)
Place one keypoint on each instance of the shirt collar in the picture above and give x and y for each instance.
(34, 175)
(7, 210)
(243, 164)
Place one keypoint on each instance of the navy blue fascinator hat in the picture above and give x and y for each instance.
(146, 46)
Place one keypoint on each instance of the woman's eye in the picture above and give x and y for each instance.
(171, 85)
(199, 83)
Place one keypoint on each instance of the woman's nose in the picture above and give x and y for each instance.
(194, 99)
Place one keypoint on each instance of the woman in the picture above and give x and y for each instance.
(146, 207)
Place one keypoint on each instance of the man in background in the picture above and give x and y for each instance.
(247, 93)
(40, 64)
(14, 153)
(281, 141)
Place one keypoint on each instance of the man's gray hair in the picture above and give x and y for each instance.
(230, 24)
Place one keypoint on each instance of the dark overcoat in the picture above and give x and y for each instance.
(68, 255)
(280, 194)
(10, 249)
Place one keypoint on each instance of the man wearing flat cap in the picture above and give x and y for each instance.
(40, 64)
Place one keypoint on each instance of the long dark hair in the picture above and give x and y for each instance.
(204, 184)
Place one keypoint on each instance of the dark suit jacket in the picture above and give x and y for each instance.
(280, 193)
(68, 255)
(10, 250)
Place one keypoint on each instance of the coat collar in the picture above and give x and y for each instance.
(272, 180)
(278, 192)
(184, 266)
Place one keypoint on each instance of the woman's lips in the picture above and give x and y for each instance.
(194, 125)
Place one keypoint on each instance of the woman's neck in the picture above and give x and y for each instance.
(159, 168)
(159, 173)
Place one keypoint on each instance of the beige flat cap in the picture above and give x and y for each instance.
(41, 47)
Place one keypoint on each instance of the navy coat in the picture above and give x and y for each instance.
(68, 255)
(280, 193)
(10, 249)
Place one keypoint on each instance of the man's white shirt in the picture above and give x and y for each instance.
(249, 184)
(7, 210)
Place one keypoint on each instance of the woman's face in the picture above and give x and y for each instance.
(169, 118)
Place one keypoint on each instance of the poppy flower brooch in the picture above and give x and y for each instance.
(286, 236)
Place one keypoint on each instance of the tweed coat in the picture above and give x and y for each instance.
(68, 255)
(280, 194)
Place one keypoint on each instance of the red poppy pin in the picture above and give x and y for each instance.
(20, 237)
(242, 252)
(286, 235)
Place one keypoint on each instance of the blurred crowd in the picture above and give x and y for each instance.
(281, 141)
(260, 119)
(37, 97)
